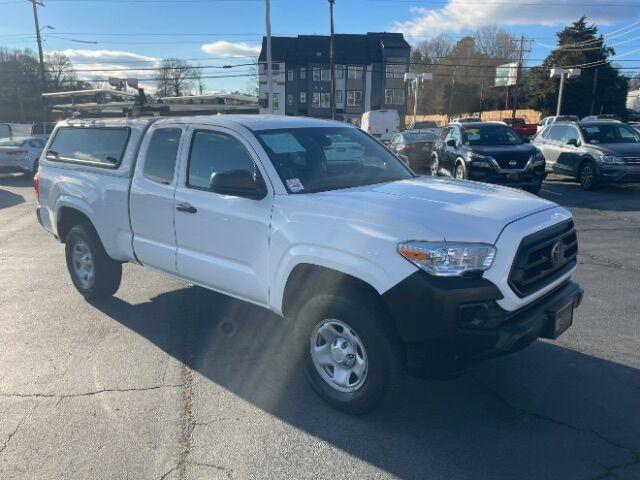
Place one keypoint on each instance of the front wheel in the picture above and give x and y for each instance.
(349, 353)
(587, 176)
(434, 165)
(460, 171)
(94, 274)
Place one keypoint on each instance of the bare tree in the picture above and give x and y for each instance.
(496, 43)
(175, 78)
(197, 77)
(252, 87)
(59, 71)
(434, 49)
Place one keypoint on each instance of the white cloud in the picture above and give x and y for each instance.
(102, 64)
(222, 48)
(458, 15)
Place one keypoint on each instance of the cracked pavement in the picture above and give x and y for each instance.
(168, 381)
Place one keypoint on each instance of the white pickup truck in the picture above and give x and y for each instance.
(375, 267)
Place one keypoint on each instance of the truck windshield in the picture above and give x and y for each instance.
(318, 159)
(491, 135)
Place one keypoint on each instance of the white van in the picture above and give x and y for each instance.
(382, 124)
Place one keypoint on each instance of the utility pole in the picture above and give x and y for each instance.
(453, 87)
(332, 63)
(481, 97)
(514, 92)
(269, 59)
(43, 79)
(593, 92)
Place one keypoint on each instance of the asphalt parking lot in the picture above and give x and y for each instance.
(169, 381)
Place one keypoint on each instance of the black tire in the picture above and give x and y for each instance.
(535, 189)
(588, 175)
(434, 165)
(460, 171)
(373, 329)
(107, 273)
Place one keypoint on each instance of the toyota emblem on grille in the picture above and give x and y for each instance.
(512, 163)
(557, 253)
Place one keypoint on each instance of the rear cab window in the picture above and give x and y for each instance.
(97, 146)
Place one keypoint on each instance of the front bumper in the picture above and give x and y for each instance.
(619, 174)
(521, 179)
(448, 323)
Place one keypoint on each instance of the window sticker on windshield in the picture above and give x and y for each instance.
(473, 134)
(294, 184)
(282, 143)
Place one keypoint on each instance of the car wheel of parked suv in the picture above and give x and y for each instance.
(94, 274)
(587, 175)
(460, 171)
(349, 355)
(434, 165)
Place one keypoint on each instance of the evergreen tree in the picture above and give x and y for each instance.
(579, 45)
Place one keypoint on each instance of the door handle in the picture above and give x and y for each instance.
(186, 207)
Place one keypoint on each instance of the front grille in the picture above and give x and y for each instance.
(537, 264)
(632, 160)
(519, 163)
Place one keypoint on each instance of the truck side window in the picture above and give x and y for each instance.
(213, 152)
(160, 163)
(101, 146)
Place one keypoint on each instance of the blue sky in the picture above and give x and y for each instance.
(204, 31)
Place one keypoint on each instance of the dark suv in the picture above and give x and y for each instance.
(595, 152)
(489, 152)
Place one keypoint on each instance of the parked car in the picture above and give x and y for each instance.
(382, 124)
(549, 120)
(603, 151)
(466, 119)
(373, 267)
(20, 154)
(5, 131)
(523, 128)
(424, 125)
(414, 148)
(489, 152)
(42, 129)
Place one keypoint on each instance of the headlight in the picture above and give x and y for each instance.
(446, 259)
(611, 160)
(481, 161)
(536, 159)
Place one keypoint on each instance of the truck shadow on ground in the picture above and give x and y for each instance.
(9, 199)
(546, 412)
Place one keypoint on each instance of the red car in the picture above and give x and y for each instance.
(521, 127)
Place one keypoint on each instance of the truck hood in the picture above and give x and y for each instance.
(430, 208)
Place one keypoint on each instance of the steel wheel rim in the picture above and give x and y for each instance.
(331, 344)
(82, 262)
(459, 172)
(587, 175)
(434, 166)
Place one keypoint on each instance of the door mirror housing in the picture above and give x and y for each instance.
(573, 141)
(451, 143)
(238, 183)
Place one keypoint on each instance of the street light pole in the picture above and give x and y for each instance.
(332, 63)
(43, 80)
(562, 73)
(559, 106)
(269, 59)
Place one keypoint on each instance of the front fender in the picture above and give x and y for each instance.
(360, 267)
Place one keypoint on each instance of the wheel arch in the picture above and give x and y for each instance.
(67, 216)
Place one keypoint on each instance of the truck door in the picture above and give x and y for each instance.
(152, 202)
(223, 240)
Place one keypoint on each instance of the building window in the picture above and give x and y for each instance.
(316, 74)
(289, 99)
(276, 101)
(321, 100)
(395, 70)
(275, 66)
(338, 96)
(340, 72)
(326, 75)
(354, 72)
(354, 98)
(393, 96)
(303, 97)
(303, 73)
(290, 75)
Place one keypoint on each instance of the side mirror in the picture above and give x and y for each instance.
(526, 140)
(451, 143)
(573, 141)
(238, 183)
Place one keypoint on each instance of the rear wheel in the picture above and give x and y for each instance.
(94, 274)
(587, 176)
(34, 169)
(349, 355)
